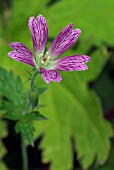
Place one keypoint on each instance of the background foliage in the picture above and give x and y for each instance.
(76, 121)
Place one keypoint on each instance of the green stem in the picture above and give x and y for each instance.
(24, 154)
(33, 79)
(23, 144)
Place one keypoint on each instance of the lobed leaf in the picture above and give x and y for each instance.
(26, 129)
(74, 110)
(14, 99)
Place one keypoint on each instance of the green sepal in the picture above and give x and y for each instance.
(41, 90)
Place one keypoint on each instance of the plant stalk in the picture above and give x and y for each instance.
(33, 79)
(24, 154)
(23, 144)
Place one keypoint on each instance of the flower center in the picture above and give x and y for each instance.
(45, 60)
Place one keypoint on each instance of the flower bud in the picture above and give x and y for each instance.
(33, 97)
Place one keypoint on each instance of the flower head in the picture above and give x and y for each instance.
(46, 61)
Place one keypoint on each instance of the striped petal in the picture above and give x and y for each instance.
(50, 75)
(39, 32)
(64, 41)
(21, 53)
(72, 63)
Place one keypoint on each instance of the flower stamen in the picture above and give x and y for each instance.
(48, 57)
(45, 64)
(40, 55)
(42, 62)
(45, 58)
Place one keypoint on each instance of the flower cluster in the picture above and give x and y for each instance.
(46, 61)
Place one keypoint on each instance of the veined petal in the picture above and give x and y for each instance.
(71, 63)
(21, 53)
(64, 41)
(39, 32)
(50, 75)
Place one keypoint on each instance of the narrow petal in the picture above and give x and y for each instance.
(21, 53)
(71, 63)
(64, 41)
(50, 75)
(39, 32)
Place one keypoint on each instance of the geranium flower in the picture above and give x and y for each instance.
(46, 61)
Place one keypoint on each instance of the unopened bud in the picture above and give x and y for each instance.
(33, 97)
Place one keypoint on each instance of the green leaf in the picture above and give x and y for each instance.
(3, 166)
(41, 90)
(73, 110)
(15, 21)
(2, 150)
(93, 18)
(34, 116)
(109, 165)
(26, 129)
(99, 58)
(3, 131)
(14, 103)
(14, 99)
(25, 125)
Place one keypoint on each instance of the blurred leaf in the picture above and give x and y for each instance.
(3, 166)
(2, 150)
(12, 30)
(3, 127)
(3, 133)
(99, 58)
(105, 86)
(36, 7)
(94, 18)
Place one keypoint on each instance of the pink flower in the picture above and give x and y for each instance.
(47, 63)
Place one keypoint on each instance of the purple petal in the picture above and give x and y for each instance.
(21, 53)
(64, 41)
(71, 63)
(50, 75)
(39, 32)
